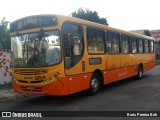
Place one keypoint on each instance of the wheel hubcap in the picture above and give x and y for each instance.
(94, 83)
(140, 73)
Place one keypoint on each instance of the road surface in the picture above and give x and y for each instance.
(126, 95)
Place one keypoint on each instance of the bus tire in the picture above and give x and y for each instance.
(140, 72)
(94, 84)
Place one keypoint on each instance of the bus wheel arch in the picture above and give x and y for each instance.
(96, 82)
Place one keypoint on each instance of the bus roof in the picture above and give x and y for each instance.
(88, 23)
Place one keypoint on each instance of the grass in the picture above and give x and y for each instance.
(157, 62)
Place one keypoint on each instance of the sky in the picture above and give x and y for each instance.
(121, 14)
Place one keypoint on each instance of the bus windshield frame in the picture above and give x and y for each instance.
(38, 49)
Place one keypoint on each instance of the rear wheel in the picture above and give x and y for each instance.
(140, 72)
(94, 84)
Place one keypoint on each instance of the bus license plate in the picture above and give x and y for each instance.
(31, 88)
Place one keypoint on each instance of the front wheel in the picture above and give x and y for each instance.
(94, 85)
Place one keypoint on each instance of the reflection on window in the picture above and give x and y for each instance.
(96, 40)
(113, 43)
(35, 49)
(69, 28)
(33, 22)
(77, 45)
(53, 55)
(146, 46)
(125, 44)
(140, 46)
(134, 45)
(151, 48)
(73, 43)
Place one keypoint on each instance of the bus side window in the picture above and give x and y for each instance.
(96, 41)
(125, 44)
(146, 46)
(140, 46)
(134, 45)
(113, 43)
(151, 50)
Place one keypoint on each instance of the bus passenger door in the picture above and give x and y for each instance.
(73, 53)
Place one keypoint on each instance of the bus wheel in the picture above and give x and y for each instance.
(140, 72)
(94, 85)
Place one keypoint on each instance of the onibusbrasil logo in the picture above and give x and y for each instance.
(21, 114)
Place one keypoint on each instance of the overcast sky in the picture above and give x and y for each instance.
(122, 14)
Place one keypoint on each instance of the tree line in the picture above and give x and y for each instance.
(5, 39)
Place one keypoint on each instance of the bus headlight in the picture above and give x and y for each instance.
(51, 80)
(15, 80)
(45, 82)
(56, 76)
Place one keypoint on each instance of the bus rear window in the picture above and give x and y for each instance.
(33, 22)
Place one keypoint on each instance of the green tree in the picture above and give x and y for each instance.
(5, 39)
(89, 15)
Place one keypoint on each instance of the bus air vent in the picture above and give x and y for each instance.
(22, 81)
(30, 72)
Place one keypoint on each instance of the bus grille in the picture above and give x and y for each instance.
(24, 81)
(30, 72)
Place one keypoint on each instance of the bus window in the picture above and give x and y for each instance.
(151, 50)
(125, 44)
(73, 43)
(140, 45)
(146, 46)
(113, 43)
(134, 45)
(96, 40)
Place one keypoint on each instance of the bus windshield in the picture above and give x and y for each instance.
(36, 49)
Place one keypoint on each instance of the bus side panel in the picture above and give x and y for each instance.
(126, 60)
(78, 83)
(132, 71)
(125, 66)
(151, 61)
(148, 62)
(106, 77)
(59, 87)
(124, 73)
(136, 59)
(114, 62)
(152, 65)
(145, 62)
(145, 58)
(111, 76)
(127, 72)
(148, 66)
(86, 80)
(152, 58)
(75, 84)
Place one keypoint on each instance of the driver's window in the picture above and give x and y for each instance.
(73, 43)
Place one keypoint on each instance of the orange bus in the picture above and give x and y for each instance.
(61, 55)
